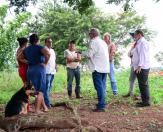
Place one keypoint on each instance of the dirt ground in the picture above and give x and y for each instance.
(124, 118)
(119, 117)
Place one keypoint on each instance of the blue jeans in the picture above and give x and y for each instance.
(49, 81)
(71, 73)
(99, 80)
(112, 78)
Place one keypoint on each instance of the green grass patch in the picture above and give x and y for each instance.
(10, 82)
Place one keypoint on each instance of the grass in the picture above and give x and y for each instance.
(10, 83)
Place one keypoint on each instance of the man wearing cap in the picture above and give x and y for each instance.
(132, 78)
(141, 64)
(99, 66)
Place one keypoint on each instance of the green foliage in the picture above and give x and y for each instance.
(83, 5)
(21, 4)
(64, 24)
(9, 31)
(9, 84)
(80, 5)
(3, 12)
(117, 59)
(126, 4)
(117, 2)
(59, 86)
(159, 57)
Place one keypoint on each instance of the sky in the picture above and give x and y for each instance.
(154, 20)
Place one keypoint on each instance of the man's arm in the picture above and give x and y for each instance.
(91, 51)
(46, 54)
(112, 51)
(141, 55)
(78, 59)
(68, 59)
(56, 66)
(141, 51)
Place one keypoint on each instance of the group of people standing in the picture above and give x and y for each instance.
(140, 67)
(37, 65)
(101, 62)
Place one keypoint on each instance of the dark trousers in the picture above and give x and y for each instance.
(99, 80)
(71, 73)
(143, 85)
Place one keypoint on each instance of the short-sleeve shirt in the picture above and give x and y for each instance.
(51, 65)
(71, 54)
(33, 54)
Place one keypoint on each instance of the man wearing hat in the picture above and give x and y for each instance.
(132, 78)
(141, 65)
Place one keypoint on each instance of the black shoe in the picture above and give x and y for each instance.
(79, 97)
(98, 110)
(70, 94)
(141, 104)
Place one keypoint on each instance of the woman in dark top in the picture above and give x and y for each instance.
(37, 57)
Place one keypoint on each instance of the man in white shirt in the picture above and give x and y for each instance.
(50, 69)
(141, 65)
(73, 69)
(99, 65)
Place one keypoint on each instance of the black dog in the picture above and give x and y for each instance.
(18, 103)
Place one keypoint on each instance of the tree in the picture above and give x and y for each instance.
(159, 57)
(9, 31)
(21, 4)
(80, 5)
(126, 4)
(64, 24)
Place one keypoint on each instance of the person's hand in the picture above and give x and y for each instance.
(138, 70)
(77, 60)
